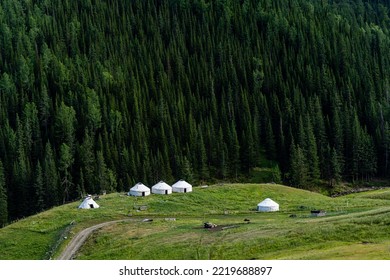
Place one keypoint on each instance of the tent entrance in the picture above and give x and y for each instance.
(91, 206)
(143, 193)
(166, 191)
(185, 190)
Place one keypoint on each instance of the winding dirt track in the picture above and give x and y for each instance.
(79, 239)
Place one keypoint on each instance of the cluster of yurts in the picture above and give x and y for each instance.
(181, 186)
(160, 188)
(141, 190)
(267, 205)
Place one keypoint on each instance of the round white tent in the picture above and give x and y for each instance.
(267, 205)
(139, 190)
(88, 203)
(182, 186)
(161, 188)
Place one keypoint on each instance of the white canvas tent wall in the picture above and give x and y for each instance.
(88, 203)
(162, 188)
(182, 186)
(267, 205)
(139, 190)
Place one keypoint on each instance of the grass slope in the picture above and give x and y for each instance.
(356, 226)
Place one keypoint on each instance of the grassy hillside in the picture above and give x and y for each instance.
(356, 226)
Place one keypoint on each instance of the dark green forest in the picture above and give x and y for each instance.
(96, 95)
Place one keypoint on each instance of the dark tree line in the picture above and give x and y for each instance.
(98, 95)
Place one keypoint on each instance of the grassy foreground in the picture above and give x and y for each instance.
(356, 226)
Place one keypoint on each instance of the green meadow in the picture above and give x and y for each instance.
(356, 226)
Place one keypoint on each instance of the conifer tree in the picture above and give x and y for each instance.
(3, 198)
(22, 174)
(203, 169)
(270, 141)
(87, 158)
(233, 152)
(65, 123)
(335, 168)
(299, 172)
(81, 185)
(94, 117)
(39, 188)
(51, 177)
(386, 146)
(186, 170)
(312, 155)
(65, 164)
(44, 109)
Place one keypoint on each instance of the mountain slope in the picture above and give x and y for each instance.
(98, 95)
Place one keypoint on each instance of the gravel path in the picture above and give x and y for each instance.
(79, 239)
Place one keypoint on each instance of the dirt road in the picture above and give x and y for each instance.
(79, 239)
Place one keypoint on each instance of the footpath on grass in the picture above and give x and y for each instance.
(79, 239)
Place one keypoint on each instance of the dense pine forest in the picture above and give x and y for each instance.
(100, 94)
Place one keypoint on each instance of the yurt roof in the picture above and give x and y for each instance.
(162, 186)
(268, 202)
(140, 187)
(181, 184)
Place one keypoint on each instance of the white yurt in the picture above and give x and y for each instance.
(182, 186)
(88, 203)
(267, 205)
(161, 188)
(139, 190)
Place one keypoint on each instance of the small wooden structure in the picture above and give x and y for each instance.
(209, 225)
(318, 213)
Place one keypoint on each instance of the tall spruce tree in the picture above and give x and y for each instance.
(335, 169)
(39, 188)
(3, 198)
(312, 154)
(65, 164)
(51, 177)
(299, 171)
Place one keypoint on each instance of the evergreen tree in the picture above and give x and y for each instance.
(87, 158)
(103, 179)
(312, 155)
(186, 170)
(276, 175)
(22, 173)
(233, 152)
(65, 125)
(270, 141)
(65, 164)
(81, 186)
(94, 117)
(51, 178)
(299, 171)
(386, 147)
(202, 159)
(44, 109)
(3, 198)
(39, 188)
(335, 169)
